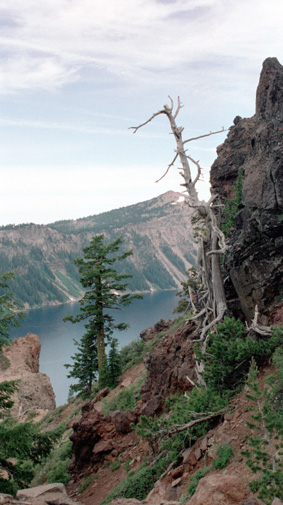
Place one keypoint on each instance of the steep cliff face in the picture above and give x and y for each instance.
(34, 390)
(255, 145)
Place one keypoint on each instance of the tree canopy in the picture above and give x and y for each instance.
(105, 291)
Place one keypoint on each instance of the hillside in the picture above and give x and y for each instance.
(158, 231)
(172, 432)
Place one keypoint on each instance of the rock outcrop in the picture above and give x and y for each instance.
(168, 365)
(34, 388)
(96, 437)
(255, 146)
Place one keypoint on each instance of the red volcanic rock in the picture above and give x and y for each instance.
(168, 365)
(35, 390)
(152, 331)
(95, 436)
(123, 420)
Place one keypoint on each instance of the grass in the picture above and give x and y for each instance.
(138, 484)
(126, 399)
(115, 466)
(89, 480)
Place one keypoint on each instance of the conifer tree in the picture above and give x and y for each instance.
(105, 290)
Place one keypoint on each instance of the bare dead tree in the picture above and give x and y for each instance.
(211, 300)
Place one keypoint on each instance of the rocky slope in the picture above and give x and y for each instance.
(254, 266)
(158, 231)
(22, 364)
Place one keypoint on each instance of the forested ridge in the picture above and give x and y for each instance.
(158, 231)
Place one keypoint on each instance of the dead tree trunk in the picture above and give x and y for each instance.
(211, 244)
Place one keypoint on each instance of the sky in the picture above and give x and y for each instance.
(76, 74)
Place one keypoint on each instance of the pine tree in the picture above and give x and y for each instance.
(105, 290)
(85, 365)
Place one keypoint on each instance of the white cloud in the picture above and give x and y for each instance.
(49, 44)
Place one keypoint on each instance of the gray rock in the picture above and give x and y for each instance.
(48, 494)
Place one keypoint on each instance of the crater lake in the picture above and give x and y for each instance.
(57, 337)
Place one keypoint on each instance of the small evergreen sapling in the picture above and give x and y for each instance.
(265, 452)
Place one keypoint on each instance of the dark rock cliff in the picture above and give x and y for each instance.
(255, 145)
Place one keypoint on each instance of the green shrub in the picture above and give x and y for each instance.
(125, 400)
(196, 478)
(55, 468)
(265, 445)
(137, 485)
(115, 466)
(59, 472)
(224, 454)
(132, 354)
(51, 416)
(160, 431)
(229, 351)
(86, 483)
(29, 447)
(127, 465)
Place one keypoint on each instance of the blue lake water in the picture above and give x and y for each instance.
(56, 337)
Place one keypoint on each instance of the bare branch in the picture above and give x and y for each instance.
(172, 103)
(168, 168)
(205, 135)
(213, 323)
(136, 128)
(259, 328)
(197, 316)
(179, 106)
(198, 167)
(192, 383)
(192, 423)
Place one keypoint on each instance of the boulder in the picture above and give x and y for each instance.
(122, 420)
(48, 494)
(222, 490)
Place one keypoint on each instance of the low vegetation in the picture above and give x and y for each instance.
(125, 399)
(190, 417)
